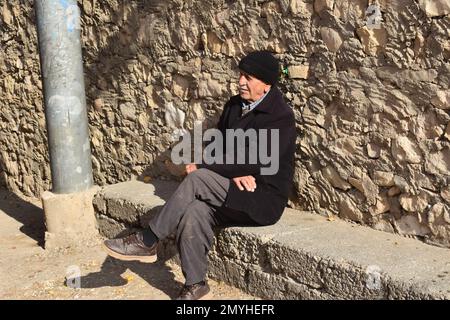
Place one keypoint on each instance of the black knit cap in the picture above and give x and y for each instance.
(262, 65)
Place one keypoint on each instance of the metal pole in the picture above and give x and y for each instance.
(58, 25)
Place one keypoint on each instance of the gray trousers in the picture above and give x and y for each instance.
(192, 212)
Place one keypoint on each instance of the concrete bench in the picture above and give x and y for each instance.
(303, 256)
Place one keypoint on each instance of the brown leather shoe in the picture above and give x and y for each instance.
(194, 292)
(131, 248)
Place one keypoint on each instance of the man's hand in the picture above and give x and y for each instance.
(248, 183)
(191, 168)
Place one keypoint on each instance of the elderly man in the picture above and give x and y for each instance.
(225, 194)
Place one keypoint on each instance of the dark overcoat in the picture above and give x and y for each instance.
(266, 204)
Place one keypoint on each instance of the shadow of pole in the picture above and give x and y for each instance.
(31, 216)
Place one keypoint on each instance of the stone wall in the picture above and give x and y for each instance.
(372, 104)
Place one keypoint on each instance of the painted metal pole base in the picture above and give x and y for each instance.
(70, 219)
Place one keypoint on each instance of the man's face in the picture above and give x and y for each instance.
(251, 88)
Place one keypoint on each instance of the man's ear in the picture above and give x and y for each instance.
(267, 88)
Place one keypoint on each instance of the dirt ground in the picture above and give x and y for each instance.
(27, 271)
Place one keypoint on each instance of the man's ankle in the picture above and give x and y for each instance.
(149, 237)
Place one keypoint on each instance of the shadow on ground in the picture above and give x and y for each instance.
(28, 214)
(158, 275)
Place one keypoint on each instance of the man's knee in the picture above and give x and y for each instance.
(198, 174)
(198, 177)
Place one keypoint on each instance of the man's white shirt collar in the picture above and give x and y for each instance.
(247, 107)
